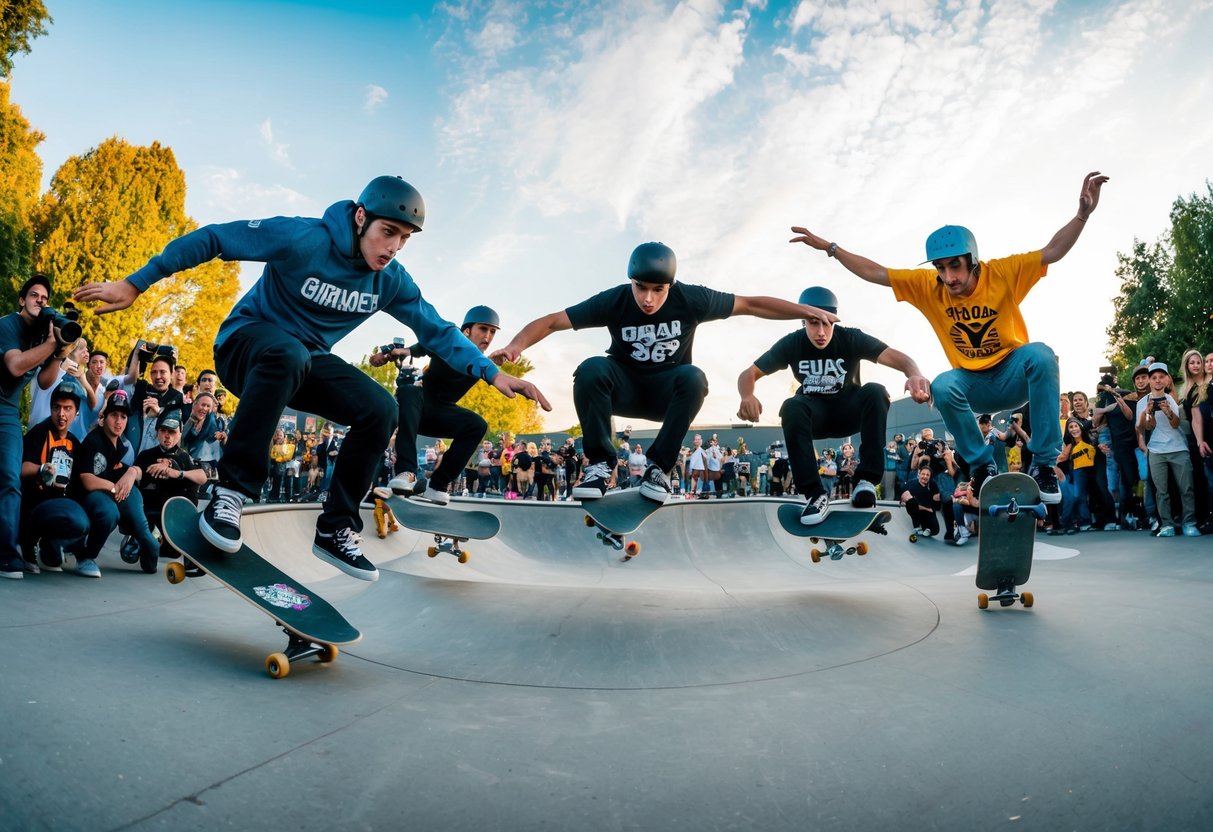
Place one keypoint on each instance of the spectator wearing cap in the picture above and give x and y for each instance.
(1158, 415)
(27, 342)
(168, 471)
(107, 487)
(50, 520)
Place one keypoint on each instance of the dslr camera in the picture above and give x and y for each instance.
(67, 321)
(150, 352)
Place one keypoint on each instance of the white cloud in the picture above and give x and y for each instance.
(227, 194)
(375, 96)
(278, 150)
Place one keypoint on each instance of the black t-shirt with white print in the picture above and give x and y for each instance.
(99, 457)
(657, 342)
(822, 371)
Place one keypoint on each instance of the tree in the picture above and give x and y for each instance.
(20, 180)
(106, 214)
(20, 22)
(1166, 299)
(385, 375)
(504, 415)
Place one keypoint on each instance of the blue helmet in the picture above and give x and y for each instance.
(951, 241)
(391, 198)
(652, 263)
(481, 315)
(821, 297)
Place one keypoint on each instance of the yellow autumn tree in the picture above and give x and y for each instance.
(20, 181)
(106, 214)
(516, 415)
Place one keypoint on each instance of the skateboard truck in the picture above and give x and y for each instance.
(1005, 596)
(279, 664)
(1012, 510)
(450, 545)
(630, 548)
(835, 550)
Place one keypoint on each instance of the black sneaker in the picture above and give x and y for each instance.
(594, 481)
(1046, 480)
(220, 520)
(149, 560)
(340, 548)
(655, 484)
(815, 510)
(981, 473)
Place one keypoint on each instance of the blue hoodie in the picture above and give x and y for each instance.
(316, 286)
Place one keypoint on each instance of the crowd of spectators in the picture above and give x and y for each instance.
(102, 452)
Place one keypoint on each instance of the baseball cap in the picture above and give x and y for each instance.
(68, 389)
(118, 400)
(1141, 370)
(37, 280)
(169, 424)
(1159, 367)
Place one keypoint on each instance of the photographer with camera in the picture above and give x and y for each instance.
(939, 457)
(30, 338)
(1158, 416)
(50, 519)
(1115, 410)
(428, 406)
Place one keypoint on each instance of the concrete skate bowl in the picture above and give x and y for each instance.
(719, 595)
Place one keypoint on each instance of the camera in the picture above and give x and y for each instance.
(65, 322)
(150, 352)
(397, 344)
(1155, 404)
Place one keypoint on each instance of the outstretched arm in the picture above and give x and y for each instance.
(916, 384)
(532, 334)
(869, 270)
(777, 309)
(1067, 235)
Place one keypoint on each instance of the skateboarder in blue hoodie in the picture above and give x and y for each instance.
(322, 278)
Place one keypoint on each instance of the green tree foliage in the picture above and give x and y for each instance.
(20, 180)
(385, 375)
(106, 214)
(20, 22)
(1166, 296)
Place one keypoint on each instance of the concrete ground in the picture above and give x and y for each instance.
(718, 681)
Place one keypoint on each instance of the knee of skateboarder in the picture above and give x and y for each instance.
(689, 380)
(593, 372)
(379, 417)
(948, 389)
(873, 394)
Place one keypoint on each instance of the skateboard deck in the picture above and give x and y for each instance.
(1010, 506)
(839, 525)
(313, 626)
(450, 527)
(617, 515)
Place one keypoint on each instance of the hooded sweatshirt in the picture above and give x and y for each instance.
(316, 286)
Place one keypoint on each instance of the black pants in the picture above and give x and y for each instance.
(1126, 469)
(806, 418)
(421, 414)
(604, 387)
(923, 519)
(269, 370)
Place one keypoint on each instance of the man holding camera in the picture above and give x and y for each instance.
(323, 277)
(1158, 417)
(49, 518)
(29, 339)
(974, 308)
(428, 406)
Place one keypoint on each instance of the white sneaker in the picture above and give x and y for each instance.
(403, 483)
(962, 536)
(435, 496)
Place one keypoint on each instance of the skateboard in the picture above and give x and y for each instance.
(839, 526)
(1005, 539)
(615, 516)
(313, 626)
(450, 527)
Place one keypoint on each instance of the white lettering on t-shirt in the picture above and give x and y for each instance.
(653, 342)
(334, 297)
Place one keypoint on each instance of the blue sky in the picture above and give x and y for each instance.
(548, 139)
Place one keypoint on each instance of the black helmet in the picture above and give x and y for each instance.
(821, 297)
(652, 263)
(481, 315)
(391, 198)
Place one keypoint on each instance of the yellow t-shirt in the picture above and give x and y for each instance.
(1082, 455)
(979, 331)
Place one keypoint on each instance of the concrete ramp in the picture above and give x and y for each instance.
(718, 595)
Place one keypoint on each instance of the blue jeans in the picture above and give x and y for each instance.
(1028, 374)
(1074, 509)
(57, 522)
(10, 487)
(105, 515)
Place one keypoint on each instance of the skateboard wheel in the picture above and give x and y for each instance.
(983, 601)
(814, 539)
(632, 548)
(463, 556)
(432, 551)
(861, 548)
(1027, 599)
(815, 555)
(175, 573)
(588, 520)
(328, 654)
(913, 538)
(278, 665)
